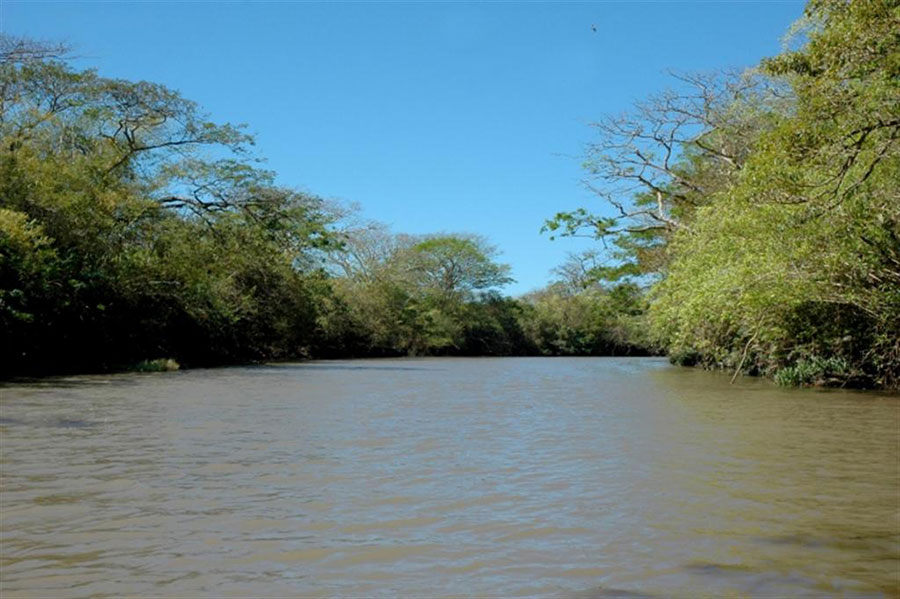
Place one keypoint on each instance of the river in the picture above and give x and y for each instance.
(548, 477)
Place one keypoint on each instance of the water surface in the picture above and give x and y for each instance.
(447, 477)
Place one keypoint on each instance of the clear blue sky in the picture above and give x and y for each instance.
(434, 116)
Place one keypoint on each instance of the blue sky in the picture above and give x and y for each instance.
(433, 116)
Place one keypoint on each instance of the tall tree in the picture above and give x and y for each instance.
(655, 166)
(133, 224)
(798, 260)
(455, 265)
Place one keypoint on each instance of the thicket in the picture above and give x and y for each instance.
(764, 206)
(135, 232)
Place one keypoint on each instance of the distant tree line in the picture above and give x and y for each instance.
(134, 229)
(762, 208)
(437, 294)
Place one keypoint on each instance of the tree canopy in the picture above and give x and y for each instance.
(764, 206)
(133, 225)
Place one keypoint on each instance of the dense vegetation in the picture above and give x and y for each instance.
(135, 232)
(763, 208)
(752, 223)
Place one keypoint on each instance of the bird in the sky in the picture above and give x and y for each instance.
(594, 28)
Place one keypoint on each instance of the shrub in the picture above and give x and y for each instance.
(814, 370)
(157, 365)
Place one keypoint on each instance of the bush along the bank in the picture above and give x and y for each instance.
(814, 371)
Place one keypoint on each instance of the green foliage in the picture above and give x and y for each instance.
(496, 326)
(131, 225)
(814, 218)
(594, 321)
(658, 165)
(814, 371)
(451, 265)
(26, 264)
(775, 234)
(400, 295)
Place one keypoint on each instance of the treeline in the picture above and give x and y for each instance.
(132, 228)
(763, 208)
(413, 295)
(752, 223)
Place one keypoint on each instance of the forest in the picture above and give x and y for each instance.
(747, 221)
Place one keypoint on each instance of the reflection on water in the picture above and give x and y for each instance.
(439, 477)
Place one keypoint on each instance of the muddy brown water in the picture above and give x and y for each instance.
(575, 477)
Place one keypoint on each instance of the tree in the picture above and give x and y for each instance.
(365, 251)
(654, 167)
(454, 265)
(133, 224)
(798, 262)
(18, 50)
(765, 206)
(413, 294)
(581, 271)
